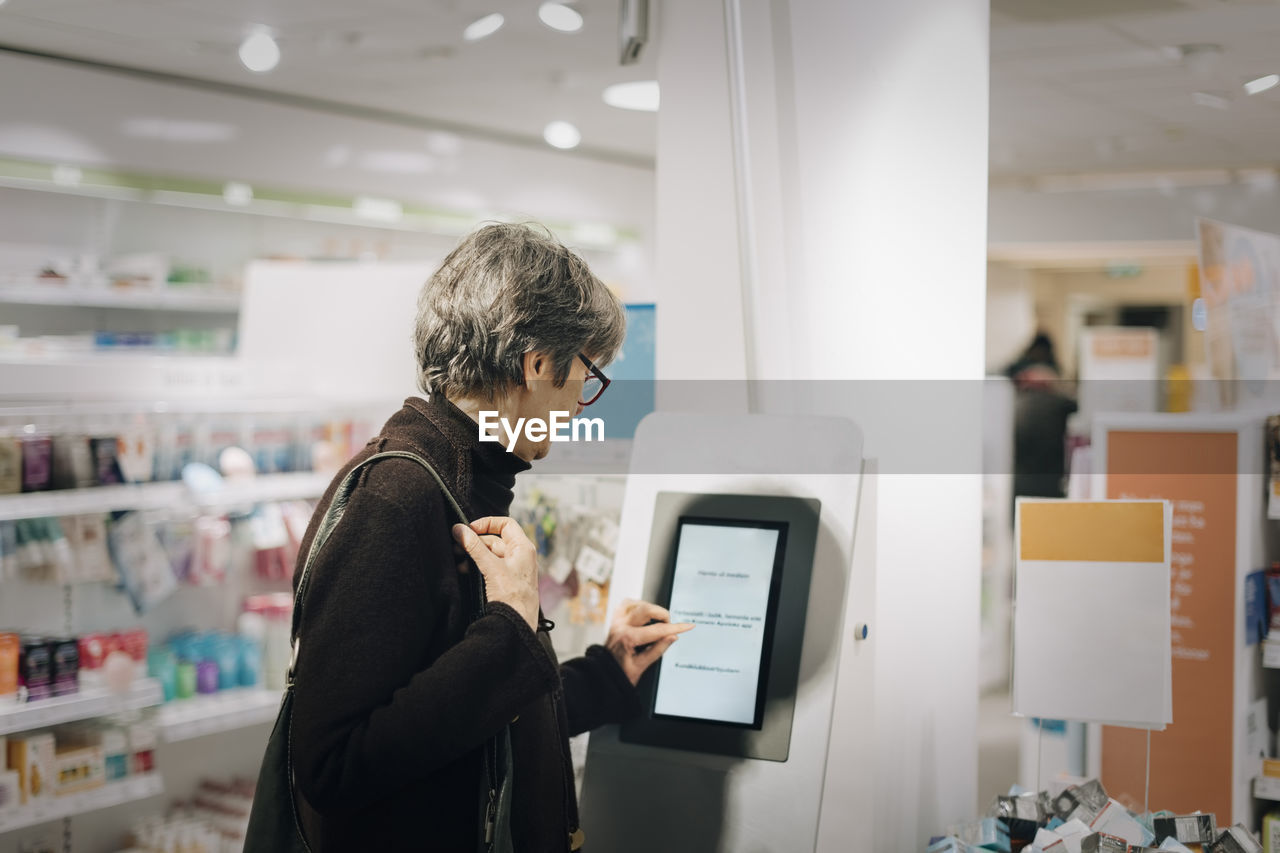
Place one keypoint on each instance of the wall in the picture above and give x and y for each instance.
(1060, 298)
(1011, 314)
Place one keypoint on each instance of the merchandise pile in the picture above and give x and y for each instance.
(1084, 819)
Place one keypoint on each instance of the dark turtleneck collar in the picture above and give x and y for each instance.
(488, 466)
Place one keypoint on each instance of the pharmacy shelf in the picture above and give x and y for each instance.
(1266, 788)
(226, 711)
(154, 496)
(196, 299)
(85, 705)
(86, 501)
(265, 488)
(108, 796)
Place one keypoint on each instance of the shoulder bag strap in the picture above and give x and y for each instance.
(338, 507)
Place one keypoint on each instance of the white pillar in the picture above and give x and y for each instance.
(863, 180)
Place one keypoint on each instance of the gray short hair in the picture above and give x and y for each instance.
(505, 290)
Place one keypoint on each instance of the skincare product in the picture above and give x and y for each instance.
(10, 651)
(35, 669)
(37, 463)
(10, 465)
(64, 673)
(32, 756)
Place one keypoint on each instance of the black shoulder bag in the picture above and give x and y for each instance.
(274, 825)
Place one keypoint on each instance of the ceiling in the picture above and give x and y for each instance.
(402, 56)
(1076, 85)
(1098, 85)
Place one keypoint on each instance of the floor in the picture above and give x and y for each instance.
(998, 744)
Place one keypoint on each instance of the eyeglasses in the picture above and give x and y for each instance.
(595, 383)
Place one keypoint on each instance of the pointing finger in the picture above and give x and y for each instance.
(652, 633)
(644, 612)
(646, 658)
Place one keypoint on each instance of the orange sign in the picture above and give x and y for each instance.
(1191, 760)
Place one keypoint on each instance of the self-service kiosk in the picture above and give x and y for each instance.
(756, 733)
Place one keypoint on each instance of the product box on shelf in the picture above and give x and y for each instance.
(10, 790)
(10, 650)
(64, 673)
(78, 767)
(10, 465)
(35, 668)
(106, 465)
(72, 462)
(87, 536)
(115, 753)
(143, 740)
(37, 463)
(33, 757)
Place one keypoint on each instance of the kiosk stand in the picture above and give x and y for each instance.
(757, 732)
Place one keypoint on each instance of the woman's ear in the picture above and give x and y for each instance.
(537, 365)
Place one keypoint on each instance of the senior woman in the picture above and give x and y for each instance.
(397, 689)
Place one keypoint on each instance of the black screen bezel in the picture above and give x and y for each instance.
(771, 614)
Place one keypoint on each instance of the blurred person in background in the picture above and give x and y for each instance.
(1041, 411)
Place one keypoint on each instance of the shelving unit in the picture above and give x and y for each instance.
(168, 495)
(84, 705)
(185, 719)
(108, 796)
(196, 299)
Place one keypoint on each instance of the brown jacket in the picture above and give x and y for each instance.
(397, 691)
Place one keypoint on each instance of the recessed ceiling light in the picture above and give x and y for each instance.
(640, 95)
(560, 17)
(1209, 99)
(259, 52)
(483, 27)
(1262, 84)
(561, 134)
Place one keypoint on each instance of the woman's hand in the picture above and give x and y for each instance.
(636, 643)
(508, 561)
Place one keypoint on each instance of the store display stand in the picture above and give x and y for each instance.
(1210, 466)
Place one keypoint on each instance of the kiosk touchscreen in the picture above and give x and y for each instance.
(726, 580)
(738, 568)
